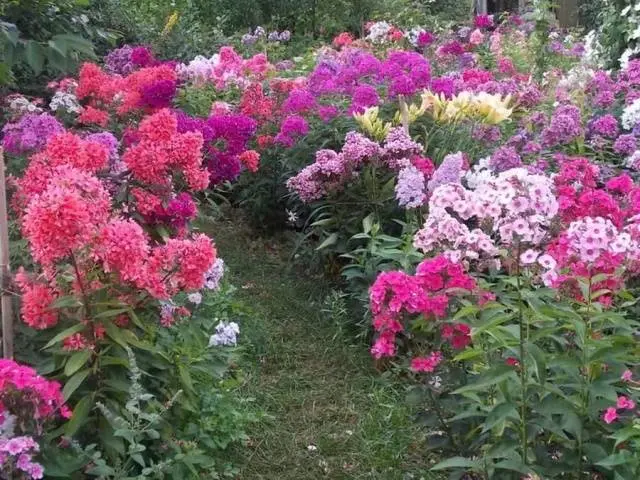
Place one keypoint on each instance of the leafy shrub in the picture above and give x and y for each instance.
(43, 38)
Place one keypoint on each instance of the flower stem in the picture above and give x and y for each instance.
(523, 364)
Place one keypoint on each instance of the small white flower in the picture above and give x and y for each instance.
(292, 217)
(312, 448)
(195, 298)
(226, 334)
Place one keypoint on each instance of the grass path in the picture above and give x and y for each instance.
(329, 413)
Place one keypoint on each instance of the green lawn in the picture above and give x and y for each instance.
(329, 413)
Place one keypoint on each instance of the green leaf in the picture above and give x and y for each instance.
(496, 375)
(330, 240)
(111, 313)
(514, 465)
(115, 334)
(10, 32)
(469, 354)
(500, 413)
(185, 379)
(615, 459)
(80, 415)
(66, 301)
(367, 223)
(76, 361)
(625, 434)
(64, 334)
(74, 382)
(34, 56)
(456, 462)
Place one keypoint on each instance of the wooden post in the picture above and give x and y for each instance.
(567, 13)
(5, 303)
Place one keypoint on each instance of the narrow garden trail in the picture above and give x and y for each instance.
(329, 414)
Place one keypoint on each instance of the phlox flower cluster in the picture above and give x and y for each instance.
(332, 170)
(590, 246)
(565, 126)
(65, 102)
(30, 133)
(292, 127)
(411, 187)
(16, 455)
(512, 207)
(161, 152)
(226, 334)
(449, 171)
(396, 295)
(623, 403)
(631, 115)
(381, 32)
(37, 300)
(65, 216)
(225, 139)
(213, 276)
(20, 105)
(127, 59)
(426, 364)
(150, 87)
(28, 396)
(225, 68)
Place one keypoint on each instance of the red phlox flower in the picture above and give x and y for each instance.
(343, 40)
(384, 345)
(147, 203)
(69, 149)
(94, 116)
(66, 215)
(426, 364)
(36, 302)
(75, 342)
(179, 265)
(123, 248)
(251, 160)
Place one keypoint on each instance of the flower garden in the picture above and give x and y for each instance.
(470, 196)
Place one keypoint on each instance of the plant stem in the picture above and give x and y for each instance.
(584, 395)
(85, 298)
(523, 364)
(443, 423)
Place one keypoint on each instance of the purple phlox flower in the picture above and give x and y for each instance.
(504, 158)
(606, 125)
(364, 96)
(292, 127)
(399, 145)
(299, 100)
(30, 133)
(566, 126)
(410, 187)
(358, 148)
(449, 171)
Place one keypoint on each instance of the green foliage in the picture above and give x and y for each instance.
(527, 399)
(266, 198)
(614, 22)
(117, 417)
(431, 13)
(45, 38)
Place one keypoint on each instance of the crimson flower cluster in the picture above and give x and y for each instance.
(397, 295)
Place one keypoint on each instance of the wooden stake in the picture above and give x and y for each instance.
(5, 303)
